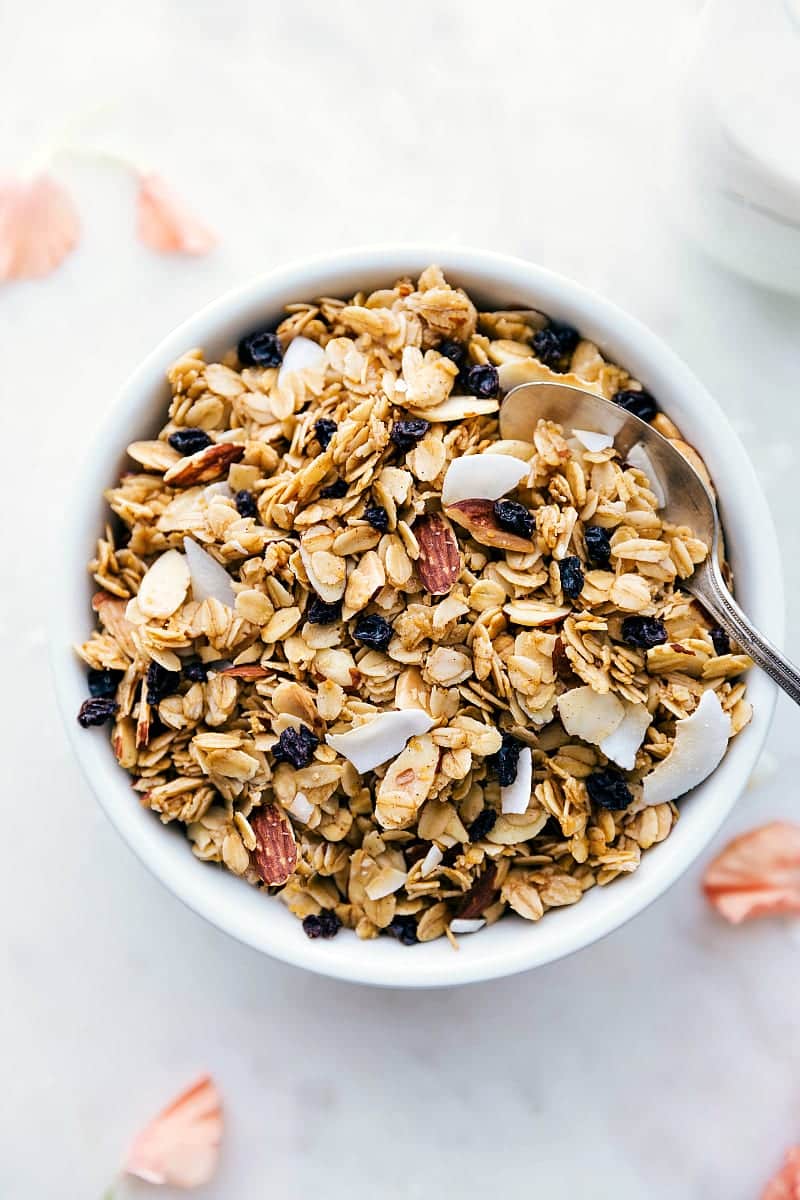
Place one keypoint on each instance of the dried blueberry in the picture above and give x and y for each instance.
(296, 747)
(189, 441)
(608, 789)
(96, 711)
(455, 351)
(326, 925)
(483, 381)
(324, 429)
(377, 517)
(483, 824)
(246, 504)
(722, 643)
(554, 344)
(640, 403)
(504, 763)
(195, 672)
(404, 929)
(571, 573)
(335, 490)
(160, 682)
(260, 349)
(598, 545)
(373, 631)
(406, 434)
(514, 517)
(103, 682)
(644, 632)
(320, 612)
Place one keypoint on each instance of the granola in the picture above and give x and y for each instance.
(403, 673)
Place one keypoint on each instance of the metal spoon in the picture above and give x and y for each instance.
(688, 501)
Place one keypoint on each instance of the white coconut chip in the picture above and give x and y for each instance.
(638, 457)
(517, 796)
(164, 586)
(382, 738)
(223, 488)
(430, 862)
(301, 354)
(699, 747)
(210, 580)
(385, 883)
(482, 477)
(466, 925)
(301, 807)
(588, 715)
(623, 744)
(593, 442)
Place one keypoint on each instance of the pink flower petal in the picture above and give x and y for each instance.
(38, 227)
(164, 224)
(786, 1184)
(757, 874)
(180, 1146)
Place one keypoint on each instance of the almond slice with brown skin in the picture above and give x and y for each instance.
(439, 562)
(482, 893)
(246, 671)
(275, 855)
(205, 466)
(477, 517)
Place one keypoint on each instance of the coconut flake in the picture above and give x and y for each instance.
(466, 924)
(623, 744)
(431, 861)
(382, 738)
(301, 354)
(210, 580)
(385, 883)
(301, 807)
(164, 586)
(638, 457)
(222, 488)
(700, 744)
(593, 442)
(588, 715)
(482, 477)
(517, 796)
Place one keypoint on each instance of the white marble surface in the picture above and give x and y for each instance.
(664, 1062)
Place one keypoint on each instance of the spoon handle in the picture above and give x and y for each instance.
(709, 588)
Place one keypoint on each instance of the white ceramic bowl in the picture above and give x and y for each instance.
(512, 945)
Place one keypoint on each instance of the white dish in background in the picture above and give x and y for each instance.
(513, 944)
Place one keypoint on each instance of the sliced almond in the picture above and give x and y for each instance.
(516, 796)
(405, 786)
(382, 738)
(482, 477)
(206, 465)
(246, 671)
(439, 562)
(155, 456)
(699, 747)
(164, 586)
(457, 408)
(326, 573)
(534, 613)
(111, 611)
(275, 854)
(477, 517)
(588, 715)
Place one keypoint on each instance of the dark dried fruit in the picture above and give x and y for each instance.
(608, 789)
(373, 631)
(561, 663)
(404, 929)
(483, 824)
(640, 403)
(324, 429)
(320, 612)
(482, 893)
(483, 381)
(722, 643)
(296, 747)
(598, 545)
(260, 349)
(96, 711)
(334, 491)
(246, 504)
(189, 441)
(377, 517)
(571, 572)
(514, 517)
(406, 434)
(554, 344)
(504, 763)
(160, 682)
(644, 632)
(326, 925)
(455, 351)
(195, 672)
(103, 682)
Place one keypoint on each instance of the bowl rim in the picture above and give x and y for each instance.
(383, 962)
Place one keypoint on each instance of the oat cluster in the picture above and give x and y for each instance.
(347, 591)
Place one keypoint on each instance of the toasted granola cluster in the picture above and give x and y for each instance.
(282, 570)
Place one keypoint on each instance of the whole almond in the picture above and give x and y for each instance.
(477, 516)
(205, 466)
(246, 671)
(439, 562)
(275, 854)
